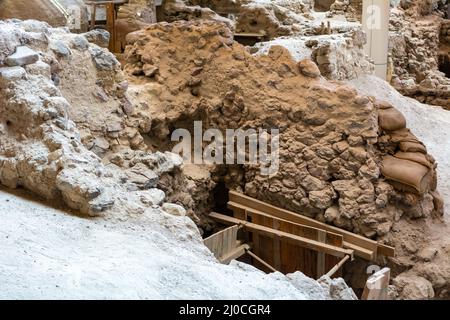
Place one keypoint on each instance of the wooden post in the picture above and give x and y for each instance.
(110, 25)
(254, 256)
(276, 247)
(93, 14)
(337, 266)
(320, 266)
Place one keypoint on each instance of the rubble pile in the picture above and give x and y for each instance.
(416, 29)
(61, 112)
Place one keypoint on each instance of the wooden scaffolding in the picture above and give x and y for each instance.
(281, 240)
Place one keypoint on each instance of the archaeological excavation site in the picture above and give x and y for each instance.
(225, 149)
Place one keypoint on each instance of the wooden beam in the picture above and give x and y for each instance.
(271, 233)
(111, 25)
(337, 266)
(237, 208)
(249, 35)
(348, 236)
(385, 250)
(234, 254)
(322, 236)
(93, 15)
(360, 252)
(222, 242)
(268, 266)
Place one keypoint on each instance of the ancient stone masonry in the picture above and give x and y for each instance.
(79, 127)
(340, 57)
(133, 16)
(345, 159)
(60, 97)
(335, 144)
(182, 10)
(418, 47)
(351, 9)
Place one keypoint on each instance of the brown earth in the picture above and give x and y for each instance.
(42, 10)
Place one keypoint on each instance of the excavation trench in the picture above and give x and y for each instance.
(263, 251)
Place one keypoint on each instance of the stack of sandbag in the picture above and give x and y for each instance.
(410, 168)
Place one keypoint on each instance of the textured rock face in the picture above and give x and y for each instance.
(22, 56)
(133, 16)
(417, 34)
(65, 82)
(341, 57)
(345, 158)
(174, 10)
(65, 134)
(333, 141)
(269, 17)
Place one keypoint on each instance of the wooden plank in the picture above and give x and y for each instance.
(93, 15)
(234, 254)
(268, 266)
(222, 242)
(300, 230)
(250, 35)
(337, 266)
(360, 252)
(331, 261)
(288, 257)
(320, 265)
(110, 25)
(240, 213)
(284, 236)
(385, 250)
(376, 285)
(276, 246)
(350, 237)
(263, 245)
(309, 232)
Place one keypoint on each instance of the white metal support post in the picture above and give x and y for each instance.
(375, 20)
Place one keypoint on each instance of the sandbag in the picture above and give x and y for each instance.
(414, 176)
(391, 119)
(403, 135)
(416, 157)
(407, 146)
(382, 104)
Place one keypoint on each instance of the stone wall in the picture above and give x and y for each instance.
(333, 141)
(415, 42)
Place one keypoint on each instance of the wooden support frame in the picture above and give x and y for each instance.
(337, 266)
(235, 253)
(363, 247)
(111, 15)
(224, 244)
(242, 212)
(254, 256)
(271, 233)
